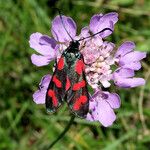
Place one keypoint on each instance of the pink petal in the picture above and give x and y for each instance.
(58, 30)
(125, 48)
(43, 44)
(40, 60)
(100, 22)
(90, 51)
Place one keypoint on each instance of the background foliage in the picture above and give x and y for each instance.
(25, 125)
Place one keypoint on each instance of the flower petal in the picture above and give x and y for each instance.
(129, 82)
(39, 95)
(105, 83)
(114, 100)
(40, 60)
(90, 54)
(106, 114)
(58, 30)
(46, 40)
(89, 117)
(125, 48)
(45, 81)
(101, 107)
(123, 73)
(132, 57)
(133, 65)
(43, 44)
(84, 32)
(107, 48)
(100, 22)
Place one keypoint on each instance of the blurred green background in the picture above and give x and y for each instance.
(25, 125)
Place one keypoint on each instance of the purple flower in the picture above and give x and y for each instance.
(100, 58)
(101, 107)
(48, 47)
(39, 95)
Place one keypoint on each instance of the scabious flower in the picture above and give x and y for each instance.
(100, 57)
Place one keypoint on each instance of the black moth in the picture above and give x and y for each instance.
(68, 82)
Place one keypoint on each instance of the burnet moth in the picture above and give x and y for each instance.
(68, 82)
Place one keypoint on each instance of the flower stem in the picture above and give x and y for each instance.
(62, 134)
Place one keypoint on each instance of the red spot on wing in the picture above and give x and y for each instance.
(79, 102)
(51, 94)
(76, 106)
(60, 65)
(79, 85)
(68, 84)
(79, 67)
(57, 81)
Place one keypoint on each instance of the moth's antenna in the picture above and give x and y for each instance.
(63, 23)
(95, 34)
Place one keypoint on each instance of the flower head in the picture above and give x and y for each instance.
(103, 63)
(99, 60)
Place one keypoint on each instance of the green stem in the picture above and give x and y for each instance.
(62, 134)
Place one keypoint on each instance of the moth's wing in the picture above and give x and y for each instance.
(56, 89)
(78, 101)
(77, 95)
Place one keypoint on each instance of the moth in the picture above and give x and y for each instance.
(68, 83)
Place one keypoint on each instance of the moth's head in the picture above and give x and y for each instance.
(74, 44)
